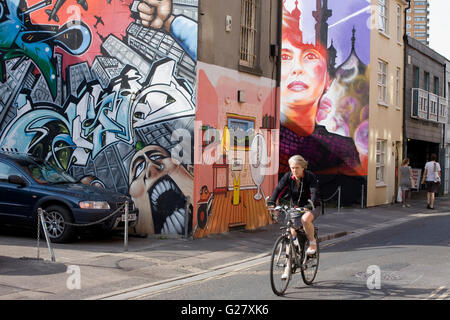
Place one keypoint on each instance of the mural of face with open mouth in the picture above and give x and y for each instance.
(159, 186)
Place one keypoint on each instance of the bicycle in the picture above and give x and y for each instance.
(283, 252)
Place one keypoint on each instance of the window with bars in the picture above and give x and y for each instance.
(383, 16)
(382, 81)
(381, 160)
(248, 47)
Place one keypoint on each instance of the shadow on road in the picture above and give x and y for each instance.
(29, 267)
(353, 290)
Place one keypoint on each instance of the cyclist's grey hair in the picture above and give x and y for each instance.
(298, 159)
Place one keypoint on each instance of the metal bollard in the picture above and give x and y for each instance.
(339, 199)
(44, 226)
(186, 220)
(362, 196)
(126, 227)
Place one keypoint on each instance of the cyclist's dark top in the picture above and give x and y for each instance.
(309, 190)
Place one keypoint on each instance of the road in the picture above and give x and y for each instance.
(413, 260)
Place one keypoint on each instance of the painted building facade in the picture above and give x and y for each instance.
(237, 108)
(106, 90)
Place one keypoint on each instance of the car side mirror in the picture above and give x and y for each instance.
(17, 180)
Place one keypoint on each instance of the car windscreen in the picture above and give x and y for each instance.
(44, 173)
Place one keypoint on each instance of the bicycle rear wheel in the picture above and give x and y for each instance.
(310, 267)
(278, 263)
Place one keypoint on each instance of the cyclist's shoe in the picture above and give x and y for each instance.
(311, 251)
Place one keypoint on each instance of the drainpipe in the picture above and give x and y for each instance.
(405, 62)
(444, 133)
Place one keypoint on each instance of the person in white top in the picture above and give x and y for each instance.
(432, 176)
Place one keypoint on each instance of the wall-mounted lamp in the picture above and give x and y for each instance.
(241, 96)
(228, 22)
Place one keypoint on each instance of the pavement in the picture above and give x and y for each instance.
(101, 268)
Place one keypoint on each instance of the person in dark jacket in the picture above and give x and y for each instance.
(299, 186)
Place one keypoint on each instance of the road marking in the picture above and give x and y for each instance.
(435, 292)
(152, 288)
(443, 296)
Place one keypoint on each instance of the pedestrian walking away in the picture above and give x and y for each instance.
(432, 177)
(406, 182)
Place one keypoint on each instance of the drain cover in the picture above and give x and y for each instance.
(385, 275)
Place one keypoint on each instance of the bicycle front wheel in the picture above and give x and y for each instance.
(279, 265)
(311, 264)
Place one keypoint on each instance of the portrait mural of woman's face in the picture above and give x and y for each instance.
(304, 74)
(324, 88)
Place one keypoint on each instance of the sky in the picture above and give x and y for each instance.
(440, 27)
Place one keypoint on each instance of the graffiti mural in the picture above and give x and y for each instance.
(106, 91)
(324, 87)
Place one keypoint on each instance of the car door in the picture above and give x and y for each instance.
(16, 201)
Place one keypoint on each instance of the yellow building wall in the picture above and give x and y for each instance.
(386, 119)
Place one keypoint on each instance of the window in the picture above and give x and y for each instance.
(420, 34)
(382, 79)
(381, 160)
(408, 18)
(416, 77)
(408, 26)
(397, 88)
(420, 3)
(436, 86)
(248, 48)
(420, 10)
(420, 26)
(7, 170)
(399, 24)
(427, 81)
(420, 19)
(383, 16)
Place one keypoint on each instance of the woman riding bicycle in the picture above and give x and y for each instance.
(300, 185)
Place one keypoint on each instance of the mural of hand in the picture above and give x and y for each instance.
(156, 13)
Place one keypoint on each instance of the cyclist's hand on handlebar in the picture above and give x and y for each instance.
(309, 206)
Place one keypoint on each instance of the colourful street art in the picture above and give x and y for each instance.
(324, 87)
(105, 90)
(237, 151)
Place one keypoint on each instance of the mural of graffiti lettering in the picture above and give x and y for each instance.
(97, 118)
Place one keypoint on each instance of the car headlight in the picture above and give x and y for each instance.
(103, 205)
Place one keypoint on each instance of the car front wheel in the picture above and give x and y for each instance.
(56, 218)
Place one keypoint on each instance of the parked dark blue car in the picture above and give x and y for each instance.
(27, 183)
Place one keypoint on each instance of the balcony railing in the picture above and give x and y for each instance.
(429, 106)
